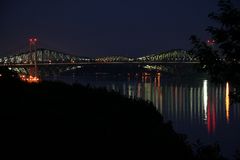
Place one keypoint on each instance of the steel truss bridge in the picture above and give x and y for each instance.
(46, 57)
(51, 57)
(43, 56)
(174, 56)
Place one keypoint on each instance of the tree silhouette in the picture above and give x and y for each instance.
(220, 55)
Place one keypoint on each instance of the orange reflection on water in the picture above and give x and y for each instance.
(227, 102)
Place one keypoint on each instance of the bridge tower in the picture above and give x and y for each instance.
(33, 49)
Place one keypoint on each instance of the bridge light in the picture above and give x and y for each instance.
(32, 41)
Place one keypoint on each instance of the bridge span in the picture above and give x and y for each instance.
(51, 57)
(46, 58)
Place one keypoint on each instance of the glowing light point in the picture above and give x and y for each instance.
(227, 100)
(211, 42)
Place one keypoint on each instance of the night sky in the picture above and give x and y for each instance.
(103, 27)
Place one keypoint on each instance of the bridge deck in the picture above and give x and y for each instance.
(82, 63)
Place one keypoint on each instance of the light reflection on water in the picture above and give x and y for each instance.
(227, 102)
(203, 103)
(195, 106)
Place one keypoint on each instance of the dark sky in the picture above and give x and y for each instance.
(103, 27)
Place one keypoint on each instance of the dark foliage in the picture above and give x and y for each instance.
(59, 115)
(221, 59)
(208, 152)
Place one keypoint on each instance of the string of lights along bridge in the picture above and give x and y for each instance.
(43, 56)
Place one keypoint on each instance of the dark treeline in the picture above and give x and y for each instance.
(220, 55)
(58, 116)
